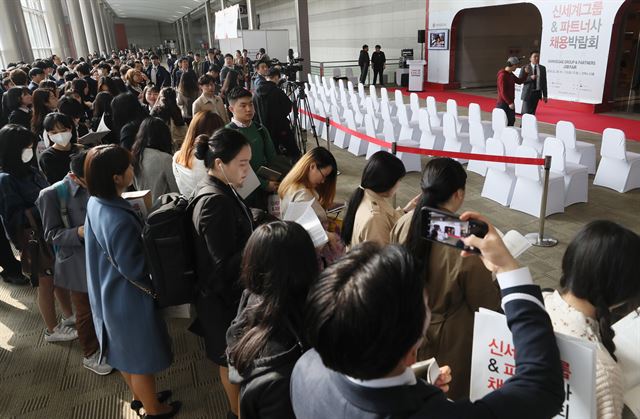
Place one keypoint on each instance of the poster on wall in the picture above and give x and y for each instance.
(576, 36)
(227, 23)
(439, 39)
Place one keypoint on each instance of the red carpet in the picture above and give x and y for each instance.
(583, 121)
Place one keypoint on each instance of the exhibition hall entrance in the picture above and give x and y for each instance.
(486, 36)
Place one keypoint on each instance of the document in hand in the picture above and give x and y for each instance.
(516, 243)
(251, 183)
(93, 137)
(627, 342)
(102, 127)
(493, 363)
(303, 214)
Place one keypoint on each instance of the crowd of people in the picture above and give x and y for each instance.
(296, 329)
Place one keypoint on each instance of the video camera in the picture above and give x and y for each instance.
(289, 69)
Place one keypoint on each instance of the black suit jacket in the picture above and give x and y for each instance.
(163, 78)
(530, 85)
(535, 392)
(363, 59)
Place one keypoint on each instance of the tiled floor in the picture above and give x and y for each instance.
(41, 380)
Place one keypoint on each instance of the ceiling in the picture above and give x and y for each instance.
(160, 10)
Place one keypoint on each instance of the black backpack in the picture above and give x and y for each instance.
(169, 245)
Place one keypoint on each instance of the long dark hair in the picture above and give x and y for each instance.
(13, 139)
(382, 172)
(125, 108)
(167, 108)
(153, 133)
(111, 85)
(278, 267)
(40, 109)
(441, 178)
(601, 266)
(188, 85)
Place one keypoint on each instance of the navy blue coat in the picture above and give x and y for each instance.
(132, 333)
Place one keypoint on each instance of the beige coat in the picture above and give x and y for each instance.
(374, 219)
(456, 287)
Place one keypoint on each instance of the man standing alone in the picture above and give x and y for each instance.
(535, 85)
(506, 89)
(363, 62)
(378, 61)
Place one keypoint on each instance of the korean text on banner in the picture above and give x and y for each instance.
(493, 363)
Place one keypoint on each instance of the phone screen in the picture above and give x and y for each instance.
(447, 228)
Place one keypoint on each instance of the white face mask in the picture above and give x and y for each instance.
(61, 138)
(27, 155)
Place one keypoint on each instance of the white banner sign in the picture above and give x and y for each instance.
(493, 363)
(576, 36)
(227, 23)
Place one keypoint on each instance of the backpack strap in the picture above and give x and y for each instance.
(62, 190)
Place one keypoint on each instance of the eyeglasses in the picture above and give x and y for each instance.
(324, 177)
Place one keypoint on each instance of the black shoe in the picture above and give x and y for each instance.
(16, 279)
(163, 396)
(175, 408)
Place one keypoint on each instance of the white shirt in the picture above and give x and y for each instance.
(154, 72)
(407, 378)
(240, 124)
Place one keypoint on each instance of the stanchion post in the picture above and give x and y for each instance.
(327, 121)
(321, 70)
(538, 239)
(394, 151)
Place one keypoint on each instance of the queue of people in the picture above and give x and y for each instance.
(295, 329)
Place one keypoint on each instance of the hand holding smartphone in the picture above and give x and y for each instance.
(447, 228)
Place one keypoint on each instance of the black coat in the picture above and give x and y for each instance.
(378, 60)
(272, 110)
(93, 88)
(222, 224)
(264, 390)
(21, 117)
(530, 85)
(363, 60)
(163, 77)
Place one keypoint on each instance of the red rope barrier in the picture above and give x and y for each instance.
(428, 152)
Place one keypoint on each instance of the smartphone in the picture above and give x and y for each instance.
(447, 228)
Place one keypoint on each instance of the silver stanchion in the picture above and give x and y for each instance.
(327, 122)
(538, 239)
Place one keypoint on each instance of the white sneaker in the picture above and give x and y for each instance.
(70, 322)
(61, 334)
(93, 363)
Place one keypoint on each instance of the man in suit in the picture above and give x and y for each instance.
(363, 62)
(378, 61)
(535, 85)
(84, 72)
(158, 75)
(182, 67)
(366, 317)
(210, 61)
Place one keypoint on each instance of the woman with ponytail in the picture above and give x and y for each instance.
(222, 224)
(267, 336)
(370, 216)
(599, 272)
(456, 286)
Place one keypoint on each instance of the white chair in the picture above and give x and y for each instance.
(527, 194)
(408, 130)
(498, 122)
(576, 187)
(430, 138)
(350, 86)
(453, 140)
(349, 73)
(530, 135)
(370, 130)
(357, 147)
(315, 108)
(619, 169)
(373, 94)
(478, 146)
(321, 111)
(384, 97)
(357, 110)
(511, 140)
(391, 126)
(500, 179)
(434, 116)
(462, 122)
(377, 118)
(337, 135)
(362, 94)
(475, 114)
(578, 152)
(398, 101)
(414, 104)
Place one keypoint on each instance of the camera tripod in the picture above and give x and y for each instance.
(298, 97)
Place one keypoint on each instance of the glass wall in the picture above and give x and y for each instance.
(36, 28)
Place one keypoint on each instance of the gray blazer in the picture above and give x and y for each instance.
(530, 85)
(156, 173)
(70, 269)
